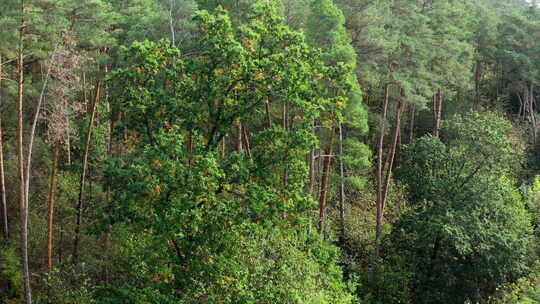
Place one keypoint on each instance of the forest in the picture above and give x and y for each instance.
(269, 151)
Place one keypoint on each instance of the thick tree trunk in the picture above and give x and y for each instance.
(83, 174)
(20, 154)
(380, 161)
(324, 188)
(5, 226)
(52, 199)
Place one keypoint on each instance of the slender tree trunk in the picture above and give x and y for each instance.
(477, 82)
(285, 123)
(20, 154)
(380, 161)
(3, 185)
(2, 175)
(52, 199)
(390, 161)
(342, 185)
(171, 22)
(190, 147)
(534, 126)
(311, 172)
(84, 92)
(268, 115)
(324, 188)
(437, 110)
(284, 116)
(312, 167)
(34, 126)
(368, 97)
(83, 174)
(411, 131)
(239, 137)
(521, 108)
(68, 137)
(392, 152)
(223, 146)
(61, 242)
(110, 152)
(246, 141)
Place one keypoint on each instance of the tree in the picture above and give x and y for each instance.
(176, 186)
(518, 53)
(20, 154)
(326, 30)
(5, 228)
(470, 230)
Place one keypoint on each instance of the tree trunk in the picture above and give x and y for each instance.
(324, 188)
(83, 174)
(223, 146)
(5, 228)
(380, 146)
(3, 185)
(68, 139)
(285, 124)
(390, 161)
(171, 23)
(246, 141)
(392, 152)
(239, 137)
(110, 153)
(52, 198)
(342, 185)
(534, 126)
(34, 125)
(268, 115)
(477, 82)
(284, 116)
(312, 167)
(521, 108)
(20, 154)
(411, 131)
(437, 110)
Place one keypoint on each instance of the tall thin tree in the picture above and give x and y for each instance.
(52, 200)
(2, 175)
(83, 174)
(20, 156)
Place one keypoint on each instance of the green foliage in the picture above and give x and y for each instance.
(470, 231)
(11, 276)
(71, 285)
(523, 291)
(222, 229)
